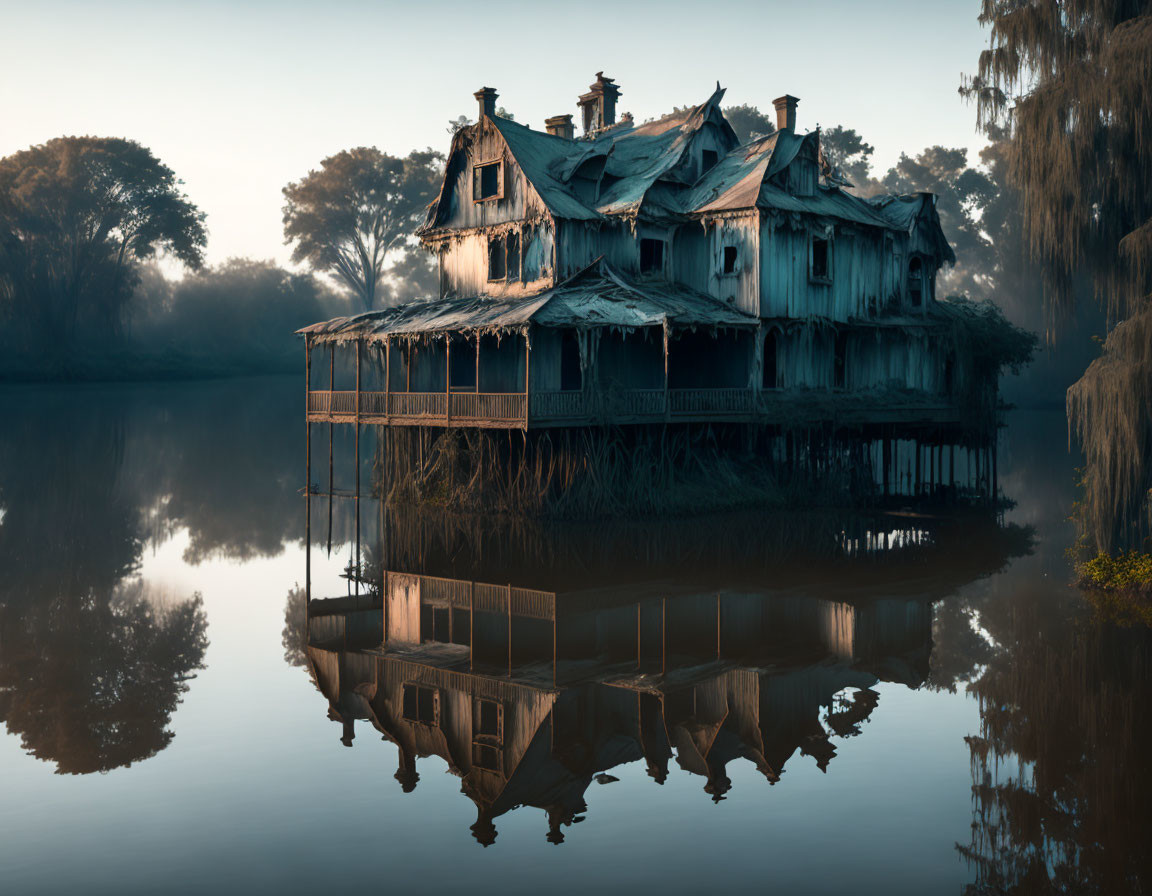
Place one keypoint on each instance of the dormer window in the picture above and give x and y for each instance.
(729, 262)
(488, 181)
(504, 256)
(651, 256)
(708, 160)
(916, 282)
(820, 259)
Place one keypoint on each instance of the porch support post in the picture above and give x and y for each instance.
(357, 452)
(667, 401)
(477, 364)
(448, 378)
(307, 475)
(527, 375)
(388, 379)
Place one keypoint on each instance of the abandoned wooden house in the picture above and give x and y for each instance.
(658, 272)
(526, 695)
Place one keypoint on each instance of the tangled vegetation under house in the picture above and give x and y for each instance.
(660, 274)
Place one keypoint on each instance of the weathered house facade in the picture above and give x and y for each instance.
(657, 273)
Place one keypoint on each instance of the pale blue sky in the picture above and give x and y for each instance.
(240, 98)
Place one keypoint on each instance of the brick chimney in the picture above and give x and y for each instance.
(785, 112)
(560, 126)
(486, 97)
(599, 104)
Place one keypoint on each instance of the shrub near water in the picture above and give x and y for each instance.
(1120, 587)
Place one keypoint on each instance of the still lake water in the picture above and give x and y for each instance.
(937, 711)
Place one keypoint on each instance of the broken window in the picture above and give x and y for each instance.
(421, 704)
(821, 262)
(916, 282)
(504, 256)
(730, 255)
(497, 258)
(488, 735)
(708, 160)
(651, 256)
(488, 181)
(571, 376)
(770, 380)
(513, 243)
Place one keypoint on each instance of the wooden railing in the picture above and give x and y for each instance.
(703, 402)
(507, 409)
(503, 406)
(559, 405)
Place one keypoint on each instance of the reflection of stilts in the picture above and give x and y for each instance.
(331, 426)
(307, 478)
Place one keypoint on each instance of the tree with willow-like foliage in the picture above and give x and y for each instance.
(356, 212)
(1070, 81)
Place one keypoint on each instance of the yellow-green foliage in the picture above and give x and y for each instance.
(1130, 569)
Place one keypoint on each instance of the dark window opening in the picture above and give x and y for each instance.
(708, 160)
(487, 182)
(840, 362)
(571, 376)
(421, 704)
(513, 264)
(820, 265)
(462, 365)
(491, 720)
(487, 757)
(730, 254)
(916, 282)
(497, 252)
(770, 381)
(651, 256)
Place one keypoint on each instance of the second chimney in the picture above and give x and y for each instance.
(785, 112)
(560, 126)
(486, 97)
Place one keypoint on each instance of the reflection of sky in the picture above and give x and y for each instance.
(241, 98)
(255, 790)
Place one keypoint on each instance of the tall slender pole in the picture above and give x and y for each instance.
(331, 426)
(388, 378)
(357, 452)
(447, 379)
(307, 476)
(508, 594)
(527, 377)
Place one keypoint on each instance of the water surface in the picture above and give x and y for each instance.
(979, 731)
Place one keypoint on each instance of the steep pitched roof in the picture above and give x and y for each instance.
(916, 215)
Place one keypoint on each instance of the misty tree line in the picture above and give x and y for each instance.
(83, 220)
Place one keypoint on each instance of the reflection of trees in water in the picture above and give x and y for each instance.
(294, 636)
(92, 661)
(1060, 778)
(89, 681)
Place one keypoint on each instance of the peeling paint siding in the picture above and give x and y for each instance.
(579, 244)
(784, 284)
(908, 360)
(464, 263)
(545, 368)
(520, 201)
(740, 288)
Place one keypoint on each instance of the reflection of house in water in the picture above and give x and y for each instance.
(528, 695)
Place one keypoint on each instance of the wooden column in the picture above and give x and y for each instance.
(527, 376)
(388, 378)
(357, 453)
(471, 623)
(508, 594)
(331, 426)
(667, 402)
(477, 366)
(307, 477)
(448, 379)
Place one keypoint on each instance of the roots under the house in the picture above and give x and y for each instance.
(639, 471)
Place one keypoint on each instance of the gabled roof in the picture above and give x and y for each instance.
(597, 296)
(641, 171)
(916, 215)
